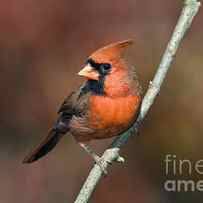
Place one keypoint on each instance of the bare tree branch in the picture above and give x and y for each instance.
(189, 10)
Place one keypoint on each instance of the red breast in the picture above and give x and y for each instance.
(108, 112)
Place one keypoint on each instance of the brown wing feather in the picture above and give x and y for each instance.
(70, 107)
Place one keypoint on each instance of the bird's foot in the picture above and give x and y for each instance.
(102, 164)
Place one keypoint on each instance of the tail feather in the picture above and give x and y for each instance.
(46, 145)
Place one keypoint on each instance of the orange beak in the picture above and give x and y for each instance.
(89, 73)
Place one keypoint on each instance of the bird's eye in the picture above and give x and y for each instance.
(105, 66)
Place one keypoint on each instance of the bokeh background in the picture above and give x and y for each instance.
(43, 44)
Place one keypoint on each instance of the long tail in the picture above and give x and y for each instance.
(45, 146)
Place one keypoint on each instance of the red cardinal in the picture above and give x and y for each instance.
(104, 106)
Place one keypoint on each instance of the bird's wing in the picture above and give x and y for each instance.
(74, 104)
(71, 103)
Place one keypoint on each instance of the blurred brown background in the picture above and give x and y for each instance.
(43, 44)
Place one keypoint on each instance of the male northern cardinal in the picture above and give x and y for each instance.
(106, 105)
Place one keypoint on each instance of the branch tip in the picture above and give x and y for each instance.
(120, 159)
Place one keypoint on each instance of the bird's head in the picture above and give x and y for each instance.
(105, 61)
(106, 72)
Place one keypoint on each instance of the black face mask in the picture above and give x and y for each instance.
(102, 68)
(97, 86)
